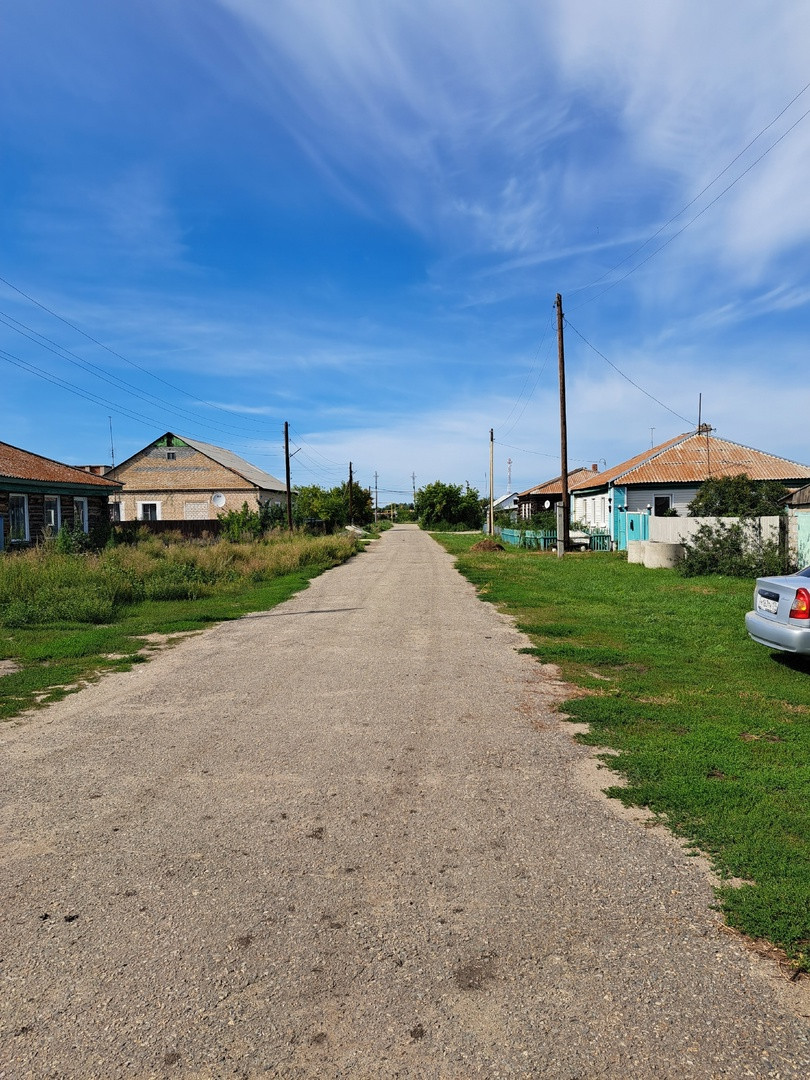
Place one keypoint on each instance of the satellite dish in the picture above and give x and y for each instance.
(218, 499)
(547, 504)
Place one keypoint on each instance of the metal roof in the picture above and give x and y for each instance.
(694, 457)
(261, 479)
(554, 487)
(16, 464)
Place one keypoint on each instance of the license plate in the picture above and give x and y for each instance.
(764, 603)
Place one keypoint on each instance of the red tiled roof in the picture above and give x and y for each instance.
(693, 458)
(554, 487)
(19, 464)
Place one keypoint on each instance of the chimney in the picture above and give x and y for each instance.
(594, 467)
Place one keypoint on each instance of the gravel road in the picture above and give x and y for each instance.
(349, 838)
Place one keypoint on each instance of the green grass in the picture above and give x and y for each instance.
(712, 731)
(155, 588)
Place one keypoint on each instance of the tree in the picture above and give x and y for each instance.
(738, 496)
(439, 505)
(314, 503)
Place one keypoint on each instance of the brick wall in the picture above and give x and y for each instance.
(188, 477)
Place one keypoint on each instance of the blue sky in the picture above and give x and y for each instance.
(355, 216)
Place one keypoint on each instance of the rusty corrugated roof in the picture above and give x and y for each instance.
(17, 464)
(693, 458)
(554, 487)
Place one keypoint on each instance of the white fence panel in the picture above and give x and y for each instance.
(677, 530)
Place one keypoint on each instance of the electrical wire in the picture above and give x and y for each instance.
(112, 352)
(529, 373)
(113, 380)
(627, 377)
(700, 213)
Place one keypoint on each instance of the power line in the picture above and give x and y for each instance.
(100, 373)
(529, 374)
(112, 352)
(700, 213)
(627, 377)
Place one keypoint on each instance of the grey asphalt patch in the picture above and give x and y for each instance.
(353, 845)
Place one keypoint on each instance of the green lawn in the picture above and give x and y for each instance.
(712, 731)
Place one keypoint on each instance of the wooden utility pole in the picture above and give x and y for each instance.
(376, 510)
(287, 468)
(564, 519)
(491, 513)
(351, 502)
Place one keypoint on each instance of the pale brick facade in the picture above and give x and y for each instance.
(177, 479)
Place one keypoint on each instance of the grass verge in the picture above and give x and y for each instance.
(712, 732)
(66, 619)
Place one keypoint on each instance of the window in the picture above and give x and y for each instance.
(149, 511)
(80, 516)
(662, 505)
(115, 512)
(53, 514)
(171, 455)
(18, 518)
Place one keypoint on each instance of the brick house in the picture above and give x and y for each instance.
(38, 496)
(182, 479)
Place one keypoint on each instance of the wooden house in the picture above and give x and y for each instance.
(38, 496)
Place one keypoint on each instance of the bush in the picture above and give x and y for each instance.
(738, 496)
(737, 550)
(447, 507)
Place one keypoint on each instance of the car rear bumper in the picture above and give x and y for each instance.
(776, 635)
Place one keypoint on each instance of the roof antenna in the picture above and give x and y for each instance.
(700, 409)
(112, 444)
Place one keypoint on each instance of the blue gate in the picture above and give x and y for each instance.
(632, 526)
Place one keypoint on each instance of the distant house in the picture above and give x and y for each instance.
(38, 496)
(182, 479)
(545, 496)
(506, 503)
(664, 480)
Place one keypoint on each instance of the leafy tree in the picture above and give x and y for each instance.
(738, 496)
(247, 524)
(314, 503)
(439, 505)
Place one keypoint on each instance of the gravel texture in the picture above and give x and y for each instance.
(348, 838)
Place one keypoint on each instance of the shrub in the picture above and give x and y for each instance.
(736, 550)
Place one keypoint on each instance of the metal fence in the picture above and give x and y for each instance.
(546, 539)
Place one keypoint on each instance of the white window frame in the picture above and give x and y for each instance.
(81, 501)
(149, 502)
(57, 525)
(12, 539)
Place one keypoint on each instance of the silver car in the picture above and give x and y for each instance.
(781, 615)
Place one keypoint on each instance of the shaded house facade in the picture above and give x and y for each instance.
(546, 496)
(798, 507)
(38, 496)
(663, 481)
(182, 479)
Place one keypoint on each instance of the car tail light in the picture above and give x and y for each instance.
(801, 605)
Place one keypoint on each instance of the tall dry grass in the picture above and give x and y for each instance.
(41, 585)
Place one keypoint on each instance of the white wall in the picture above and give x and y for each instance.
(675, 530)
